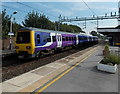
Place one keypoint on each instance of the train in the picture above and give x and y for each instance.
(32, 42)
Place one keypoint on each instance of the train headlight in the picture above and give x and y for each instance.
(16, 47)
(28, 47)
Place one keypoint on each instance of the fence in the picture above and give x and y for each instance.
(5, 43)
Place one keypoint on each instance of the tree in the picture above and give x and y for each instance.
(94, 33)
(5, 23)
(34, 19)
(76, 29)
(31, 20)
(16, 27)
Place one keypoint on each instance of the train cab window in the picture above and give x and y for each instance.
(54, 38)
(49, 39)
(38, 38)
(66, 38)
(23, 37)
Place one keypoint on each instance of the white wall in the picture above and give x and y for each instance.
(108, 30)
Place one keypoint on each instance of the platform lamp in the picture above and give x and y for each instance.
(11, 33)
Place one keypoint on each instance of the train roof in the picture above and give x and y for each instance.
(46, 30)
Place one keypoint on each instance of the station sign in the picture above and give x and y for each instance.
(11, 33)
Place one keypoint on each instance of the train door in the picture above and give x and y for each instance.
(59, 40)
(37, 38)
(77, 41)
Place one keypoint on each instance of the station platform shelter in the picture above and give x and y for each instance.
(113, 34)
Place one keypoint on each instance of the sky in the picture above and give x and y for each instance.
(52, 9)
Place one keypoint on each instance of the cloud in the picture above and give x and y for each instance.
(63, 12)
(9, 4)
(108, 8)
(103, 7)
(41, 4)
(78, 7)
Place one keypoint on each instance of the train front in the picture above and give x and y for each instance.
(25, 44)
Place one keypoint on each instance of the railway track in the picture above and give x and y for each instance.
(12, 66)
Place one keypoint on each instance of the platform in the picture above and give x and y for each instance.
(79, 74)
(84, 78)
(4, 53)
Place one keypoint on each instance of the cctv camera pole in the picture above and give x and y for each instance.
(10, 46)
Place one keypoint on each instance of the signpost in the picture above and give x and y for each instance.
(10, 34)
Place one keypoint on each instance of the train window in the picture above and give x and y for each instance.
(83, 38)
(44, 40)
(60, 38)
(80, 38)
(63, 38)
(74, 38)
(49, 39)
(54, 38)
(69, 38)
(38, 38)
(90, 38)
(66, 38)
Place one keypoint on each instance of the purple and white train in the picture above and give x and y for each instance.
(31, 42)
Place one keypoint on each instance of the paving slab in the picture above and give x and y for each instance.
(7, 87)
(24, 79)
(44, 71)
(43, 80)
(55, 65)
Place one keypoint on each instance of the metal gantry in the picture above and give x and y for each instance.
(89, 18)
(97, 18)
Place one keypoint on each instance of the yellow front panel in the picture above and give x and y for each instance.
(22, 47)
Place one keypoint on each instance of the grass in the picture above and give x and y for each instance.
(111, 59)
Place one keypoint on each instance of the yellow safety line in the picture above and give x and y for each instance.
(40, 90)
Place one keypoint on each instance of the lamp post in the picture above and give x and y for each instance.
(10, 33)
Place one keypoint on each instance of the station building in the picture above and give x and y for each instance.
(113, 34)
